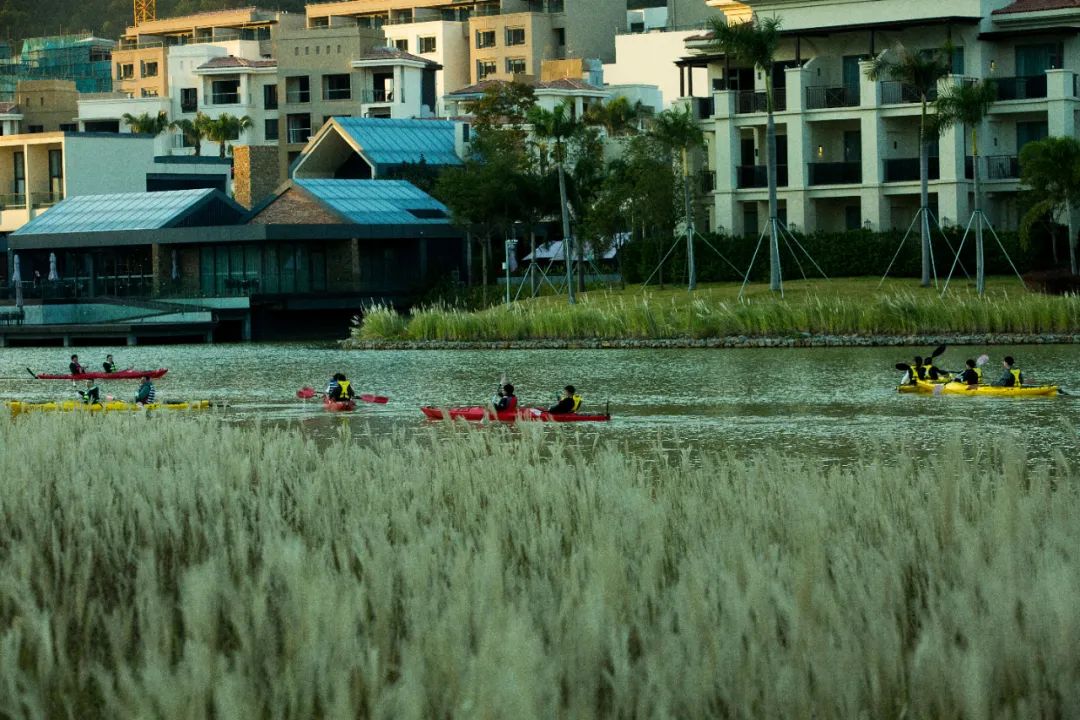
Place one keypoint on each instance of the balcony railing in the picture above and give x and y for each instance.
(45, 199)
(225, 98)
(297, 96)
(838, 96)
(757, 176)
(995, 167)
(299, 135)
(835, 173)
(378, 95)
(907, 169)
(708, 181)
(894, 92)
(1021, 88)
(12, 200)
(754, 102)
(337, 94)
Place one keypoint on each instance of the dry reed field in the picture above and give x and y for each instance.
(178, 567)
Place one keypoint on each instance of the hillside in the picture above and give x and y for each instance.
(105, 18)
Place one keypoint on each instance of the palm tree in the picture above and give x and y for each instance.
(194, 131)
(967, 104)
(617, 117)
(1051, 170)
(920, 72)
(559, 125)
(147, 124)
(755, 41)
(226, 127)
(678, 132)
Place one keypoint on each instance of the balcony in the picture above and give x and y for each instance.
(835, 173)
(13, 200)
(894, 92)
(757, 176)
(750, 101)
(839, 96)
(225, 98)
(45, 199)
(377, 95)
(707, 181)
(299, 134)
(703, 108)
(996, 167)
(1021, 88)
(907, 169)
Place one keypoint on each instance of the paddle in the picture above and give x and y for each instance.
(32, 373)
(306, 393)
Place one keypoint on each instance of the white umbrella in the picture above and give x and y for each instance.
(16, 280)
(53, 274)
(175, 267)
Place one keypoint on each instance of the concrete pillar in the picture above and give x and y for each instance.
(872, 133)
(67, 341)
(156, 267)
(1060, 86)
(869, 90)
(399, 85)
(796, 81)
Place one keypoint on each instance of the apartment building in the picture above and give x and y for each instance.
(848, 146)
(47, 105)
(141, 56)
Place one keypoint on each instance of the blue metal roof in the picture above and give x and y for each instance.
(394, 142)
(122, 211)
(378, 202)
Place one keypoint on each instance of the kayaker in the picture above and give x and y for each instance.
(918, 371)
(930, 371)
(92, 395)
(972, 374)
(75, 367)
(109, 366)
(339, 389)
(504, 399)
(568, 403)
(1012, 377)
(146, 394)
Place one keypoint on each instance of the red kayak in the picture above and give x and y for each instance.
(524, 414)
(338, 405)
(118, 375)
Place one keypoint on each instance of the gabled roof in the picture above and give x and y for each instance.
(565, 84)
(9, 108)
(384, 141)
(231, 61)
(1025, 6)
(377, 202)
(133, 211)
(392, 53)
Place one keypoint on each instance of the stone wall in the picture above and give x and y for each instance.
(296, 207)
(255, 173)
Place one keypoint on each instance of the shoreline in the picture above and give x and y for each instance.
(727, 343)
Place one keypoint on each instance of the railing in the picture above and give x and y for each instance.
(225, 98)
(757, 176)
(837, 96)
(44, 199)
(13, 200)
(297, 96)
(894, 92)
(907, 169)
(189, 106)
(835, 173)
(1021, 88)
(997, 167)
(708, 181)
(750, 101)
(298, 135)
(337, 94)
(378, 95)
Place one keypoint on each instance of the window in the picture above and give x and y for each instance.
(125, 71)
(270, 129)
(515, 36)
(189, 100)
(427, 44)
(56, 174)
(270, 97)
(319, 22)
(515, 66)
(485, 38)
(19, 185)
(69, 127)
(148, 69)
(555, 6)
(298, 127)
(485, 68)
(402, 44)
(297, 89)
(148, 92)
(225, 92)
(36, 129)
(560, 37)
(336, 87)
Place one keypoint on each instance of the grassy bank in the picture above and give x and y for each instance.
(197, 569)
(840, 307)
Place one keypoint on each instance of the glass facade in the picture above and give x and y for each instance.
(245, 269)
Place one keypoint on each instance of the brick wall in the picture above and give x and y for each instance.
(296, 207)
(255, 173)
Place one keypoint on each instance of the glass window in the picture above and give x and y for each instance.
(485, 38)
(402, 44)
(560, 36)
(1032, 60)
(270, 97)
(336, 87)
(298, 127)
(189, 100)
(148, 92)
(125, 71)
(270, 129)
(515, 36)
(485, 68)
(20, 173)
(427, 45)
(149, 69)
(225, 92)
(515, 65)
(297, 89)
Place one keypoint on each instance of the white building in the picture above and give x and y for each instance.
(848, 146)
(442, 42)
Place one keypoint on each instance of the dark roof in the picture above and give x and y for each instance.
(231, 61)
(561, 84)
(1026, 6)
(8, 107)
(391, 53)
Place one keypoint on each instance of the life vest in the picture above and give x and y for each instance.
(978, 373)
(577, 404)
(344, 386)
(919, 372)
(926, 371)
(1017, 377)
(511, 403)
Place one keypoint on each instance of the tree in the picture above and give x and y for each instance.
(1050, 168)
(920, 72)
(225, 128)
(559, 126)
(618, 117)
(678, 133)
(966, 104)
(503, 103)
(755, 41)
(194, 131)
(147, 124)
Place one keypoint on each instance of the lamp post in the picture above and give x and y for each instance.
(511, 243)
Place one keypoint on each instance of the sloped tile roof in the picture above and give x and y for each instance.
(230, 61)
(561, 84)
(1026, 6)
(392, 53)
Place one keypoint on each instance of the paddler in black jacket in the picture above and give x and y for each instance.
(75, 367)
(568, 403)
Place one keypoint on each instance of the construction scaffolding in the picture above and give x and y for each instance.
(84, 59)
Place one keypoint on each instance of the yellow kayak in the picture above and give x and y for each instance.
(17, 406)
(955, 388)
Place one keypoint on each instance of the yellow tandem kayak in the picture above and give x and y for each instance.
(17, 406)
(955, 388)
